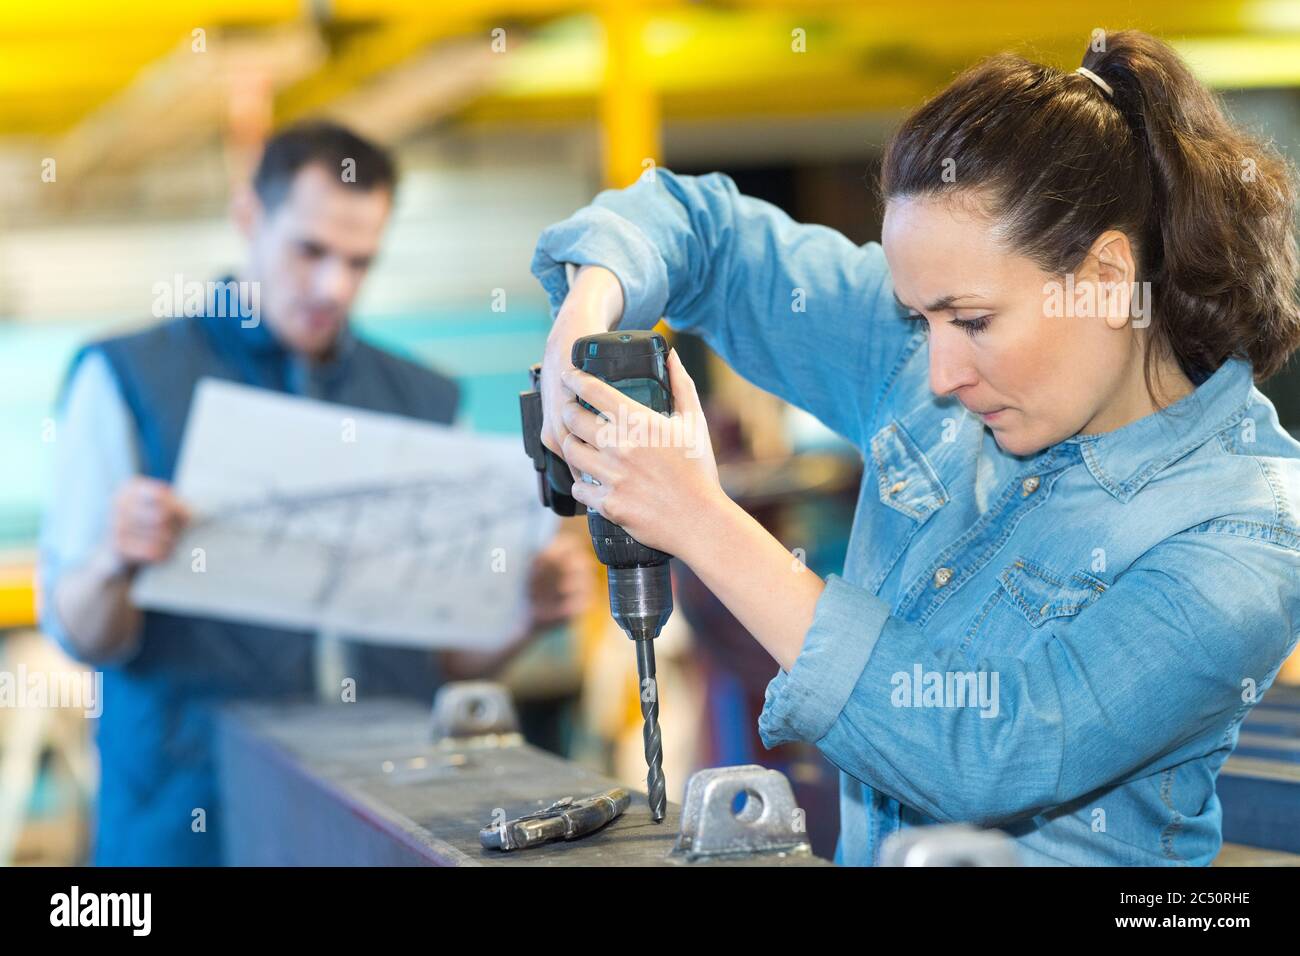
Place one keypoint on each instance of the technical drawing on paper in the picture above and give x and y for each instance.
(316, 516)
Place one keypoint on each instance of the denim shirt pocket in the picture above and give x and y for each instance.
(1029, 596)
(1042, 596)
(906, 480)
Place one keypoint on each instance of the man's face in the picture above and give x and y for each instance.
(310, 254)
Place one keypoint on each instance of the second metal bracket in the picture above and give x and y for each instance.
(747, 809)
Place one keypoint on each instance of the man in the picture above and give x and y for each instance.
(314, 218)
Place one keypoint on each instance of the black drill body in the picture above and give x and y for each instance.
(640, 587)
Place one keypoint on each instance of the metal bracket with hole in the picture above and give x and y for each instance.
(475, 712)
(731, 810)
(955, 844)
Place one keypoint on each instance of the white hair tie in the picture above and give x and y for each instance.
(1104, 86)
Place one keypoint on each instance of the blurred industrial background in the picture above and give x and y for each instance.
(505, 117)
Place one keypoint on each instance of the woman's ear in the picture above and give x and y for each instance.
(1111, 266)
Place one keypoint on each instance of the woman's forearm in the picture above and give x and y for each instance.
(768, 589)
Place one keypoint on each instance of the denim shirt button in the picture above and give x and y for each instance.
(1029, 485)
(897, 487)
(942, 577)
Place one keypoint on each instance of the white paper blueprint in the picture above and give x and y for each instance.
(309, 515)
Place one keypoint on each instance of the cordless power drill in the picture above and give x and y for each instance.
(640, 590)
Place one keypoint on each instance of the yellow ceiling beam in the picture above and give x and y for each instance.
(192, 90)
(629, 102)
(419, 91)
(368, 55)
(702, 62)
(150, 16)
(50, 66)
(362, 58)
(59, 60)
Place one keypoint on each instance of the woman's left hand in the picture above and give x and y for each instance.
(658, 478)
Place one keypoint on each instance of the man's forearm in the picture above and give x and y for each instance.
(93, 604)
(481, 665)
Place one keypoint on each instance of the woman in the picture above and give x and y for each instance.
(1075, 562)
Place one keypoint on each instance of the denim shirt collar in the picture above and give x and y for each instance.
(1125, 459)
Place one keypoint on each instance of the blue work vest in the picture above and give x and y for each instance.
(156, 732)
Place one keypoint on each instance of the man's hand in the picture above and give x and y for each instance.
(94, 600)
(559, 588)
(560, 584)
(147, 521)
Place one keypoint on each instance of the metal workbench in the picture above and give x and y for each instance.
(363, 784)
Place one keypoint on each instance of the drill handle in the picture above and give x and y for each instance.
(553, 476)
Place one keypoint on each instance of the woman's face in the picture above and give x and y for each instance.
(1015, 345)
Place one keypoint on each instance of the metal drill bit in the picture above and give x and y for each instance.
(656, 790)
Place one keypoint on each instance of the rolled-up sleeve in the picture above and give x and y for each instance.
(595, 236)
(805, 703)
(797, 309)
(1149, 676)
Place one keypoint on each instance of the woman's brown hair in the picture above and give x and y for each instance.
(1210, 209)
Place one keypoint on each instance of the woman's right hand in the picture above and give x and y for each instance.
(594, 304)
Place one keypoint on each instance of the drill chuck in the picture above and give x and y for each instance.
(641, 599)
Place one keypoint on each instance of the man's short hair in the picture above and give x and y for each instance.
(357, 162)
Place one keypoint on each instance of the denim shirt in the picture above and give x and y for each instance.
(1060, 645)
